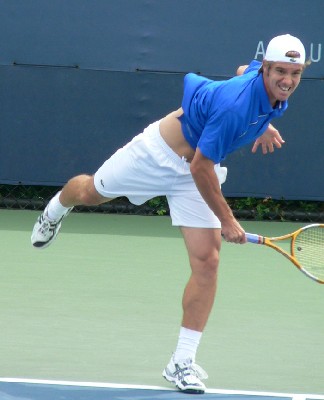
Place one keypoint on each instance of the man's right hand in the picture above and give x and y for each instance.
(233, 232)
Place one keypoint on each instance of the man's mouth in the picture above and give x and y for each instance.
(284, 88)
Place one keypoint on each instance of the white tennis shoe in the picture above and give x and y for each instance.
(46, 230)
(186, 375)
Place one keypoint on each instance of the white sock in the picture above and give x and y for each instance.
(187, 344)
(55, 209)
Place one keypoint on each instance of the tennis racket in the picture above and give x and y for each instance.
(306, 249)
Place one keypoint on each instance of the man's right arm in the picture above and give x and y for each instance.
(203, 173)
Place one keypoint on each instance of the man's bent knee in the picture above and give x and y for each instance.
(91, 197)
(87, 193)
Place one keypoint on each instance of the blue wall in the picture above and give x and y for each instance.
(79, 78)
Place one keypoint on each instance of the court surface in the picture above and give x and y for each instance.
(97, 314)
(55, 390)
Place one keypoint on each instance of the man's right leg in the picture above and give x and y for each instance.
(117, 175)
(80, 190)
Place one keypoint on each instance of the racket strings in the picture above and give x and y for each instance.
(308, 249)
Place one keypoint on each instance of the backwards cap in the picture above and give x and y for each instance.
(285, 48)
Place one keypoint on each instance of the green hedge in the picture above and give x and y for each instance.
(36, 198)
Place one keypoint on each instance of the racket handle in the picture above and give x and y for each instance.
(253, 238)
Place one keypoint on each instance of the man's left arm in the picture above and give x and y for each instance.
(270, 139)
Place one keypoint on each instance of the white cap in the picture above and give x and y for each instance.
(285, 48)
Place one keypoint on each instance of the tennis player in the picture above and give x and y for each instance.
(179, 157)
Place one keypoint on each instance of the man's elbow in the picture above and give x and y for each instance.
(240, 70)
(194, 168)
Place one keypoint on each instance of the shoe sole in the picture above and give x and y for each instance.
(183, 390)
(43, 245)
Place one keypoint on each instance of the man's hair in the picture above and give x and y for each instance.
(270, 63)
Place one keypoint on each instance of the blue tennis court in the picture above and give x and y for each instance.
(103, 305)
(15, 389)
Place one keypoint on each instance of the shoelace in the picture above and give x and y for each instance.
(189, 368)
(46, 226)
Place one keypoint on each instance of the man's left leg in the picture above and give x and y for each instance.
(203, 246)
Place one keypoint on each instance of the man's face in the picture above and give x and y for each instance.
(281, 79)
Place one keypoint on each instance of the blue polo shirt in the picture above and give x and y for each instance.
(222, 116)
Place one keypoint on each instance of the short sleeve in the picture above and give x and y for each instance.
(253, 66)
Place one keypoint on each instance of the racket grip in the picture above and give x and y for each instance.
(252, 238)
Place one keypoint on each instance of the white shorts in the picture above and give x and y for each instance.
(147, 167)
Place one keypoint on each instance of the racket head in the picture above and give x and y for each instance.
(307, 248)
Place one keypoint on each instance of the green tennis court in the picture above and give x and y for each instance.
(103, 304)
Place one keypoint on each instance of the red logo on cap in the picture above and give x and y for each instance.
(292, 54)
